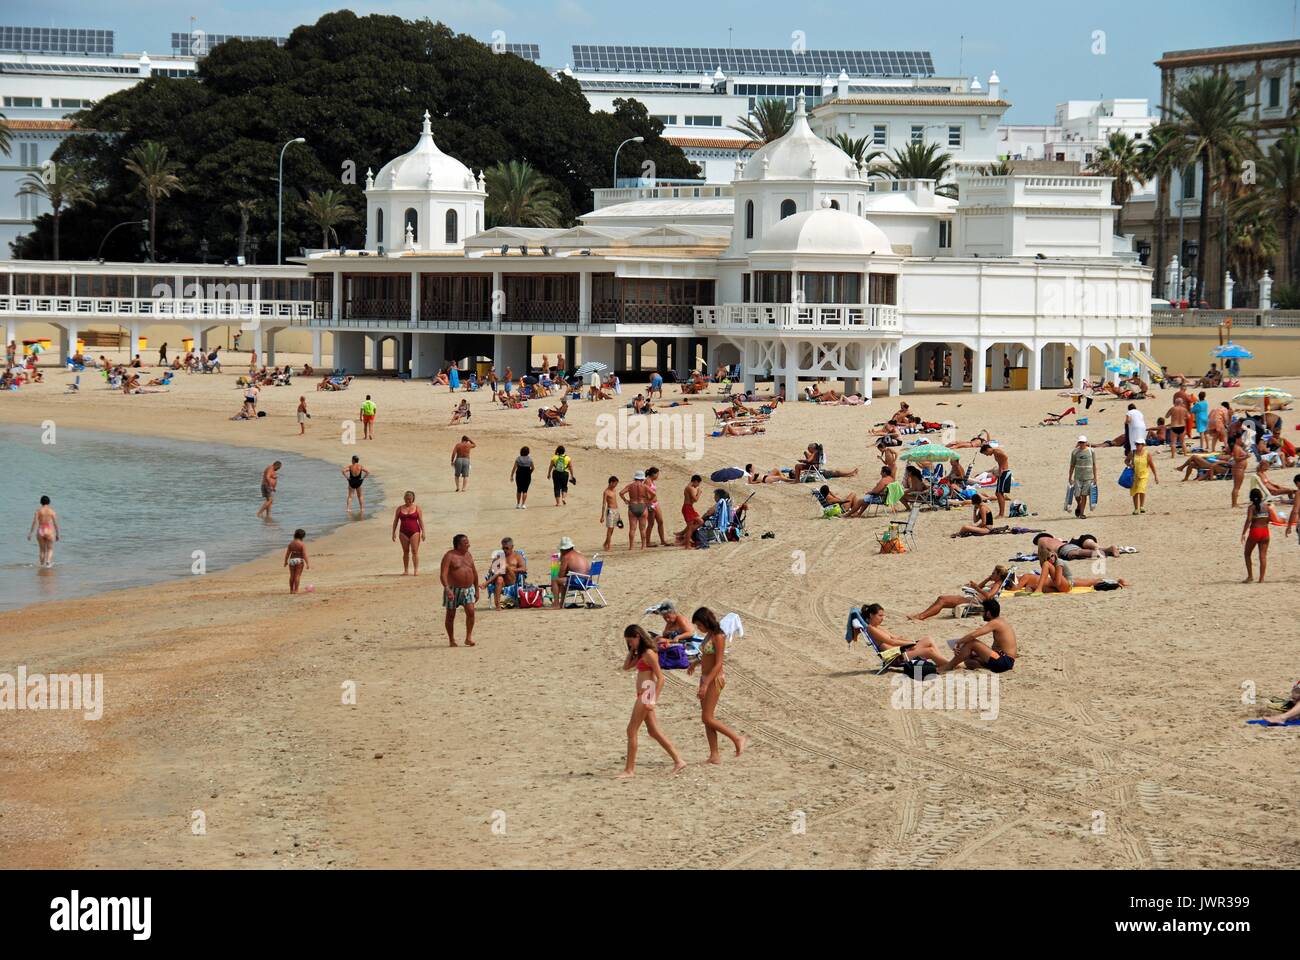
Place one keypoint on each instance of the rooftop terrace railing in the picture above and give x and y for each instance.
(1216, 318)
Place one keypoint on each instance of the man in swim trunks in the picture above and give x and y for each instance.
(270, 478)
(1003, 473)
(460, 462)
(1178, 417)
(998, 656)
(571, 561)
(510, 571)
(638, 498)
(459, 579)
(368, 411)
(691, 496)
(609, 511)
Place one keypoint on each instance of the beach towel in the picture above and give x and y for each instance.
(732, 627)
(1294, 722)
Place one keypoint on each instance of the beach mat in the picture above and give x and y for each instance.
(1054, 593)
(1294, 722)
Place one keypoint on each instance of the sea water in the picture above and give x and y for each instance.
(137, 510)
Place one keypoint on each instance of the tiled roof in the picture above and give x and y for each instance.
(39, 124)
(714, 143)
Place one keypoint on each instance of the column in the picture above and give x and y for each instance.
(510, 350)
(499, 306)
(427, 354)
(70, 340)
(749, 360)
(958, 368)
(683, 356)
(907, 369)
(336, 292)
(196, 334)
(1033, 360)
(257, 343)
(584, 298)
(11, 332)
(134, 346)
(415, 297)
(270, 348)
(979, 382)
(316, 336)
(1082, 363)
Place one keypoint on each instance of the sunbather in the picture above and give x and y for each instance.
(1059, 578)
(1001, 578)
(741, 430)
(850, 506)
(818, 395)
(998, 656)
(775, 475)
(982, 521)
(873, 614)
(1214, 467)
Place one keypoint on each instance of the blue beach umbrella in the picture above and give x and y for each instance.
(725, 474)
(1231, 351)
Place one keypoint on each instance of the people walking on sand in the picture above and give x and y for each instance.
(303, 416)
(638, 498)
(560, 473)
(368, 412)
(643, 656)
(1082, 476)
(1240, 459)
(609, 515)
(1216, 431)
(1256, 531)
(1144, 469)
(1069, 371)
(1002, 473)
(45, 524)
(1135, 428)
(295, 558)
(521, 472)
(459, 579)
(408, 526)
(460, 462)
(713, 678)
(355, 474)
(270, 480)
(162, 355)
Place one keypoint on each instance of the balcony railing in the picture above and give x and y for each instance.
(810, 317)
(543, 311)
(644, 313)
(1215, 318)
(470, 326)
(378, 309)
(91, 308)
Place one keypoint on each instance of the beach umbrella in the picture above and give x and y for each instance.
(930, 453)
(1231, 351)
(1122, 365)
(725, 474)
(590, 367)
(1262, 397)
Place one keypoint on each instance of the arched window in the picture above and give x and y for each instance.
(411, 219)
(835, 204)
(787, 209)
(478, 222)
(453, 235)
(749, 219)
(379, 228)
(859, 208)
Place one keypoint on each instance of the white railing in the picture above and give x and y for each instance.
(1215, 318)
(154, 308)
(608, 196)
(811, 317)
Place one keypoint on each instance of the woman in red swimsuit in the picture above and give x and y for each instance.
(408, 523)
(644, 656)
(1255, 533)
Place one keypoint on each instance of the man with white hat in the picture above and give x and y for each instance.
(1082, 476)
(571, 561)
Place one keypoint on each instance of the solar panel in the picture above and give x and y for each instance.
(525, 51)
(55, 40)
(200, 42)
(614, 58)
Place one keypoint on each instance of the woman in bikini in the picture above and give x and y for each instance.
(1255, 533)
(714, 679)
(295, 558)
(644, 657)
(355, 474)
(982, 521)
(772, 476)
(408, 523)
(1239, 460)
(45, 524)
(656, 517)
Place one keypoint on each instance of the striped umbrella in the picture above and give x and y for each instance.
(1262, 397)
(930, 453)
(1122, 365)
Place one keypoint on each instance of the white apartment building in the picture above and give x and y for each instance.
(1080, 130)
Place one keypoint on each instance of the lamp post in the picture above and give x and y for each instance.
(620, 147)
(139, 223)
(279, 222)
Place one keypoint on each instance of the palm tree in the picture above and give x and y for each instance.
(327, 210)
(858, 150)
(6, 137)
(1208, 128)
(1278, 184)
(519, 196)
(158, 179)
(1161, 155)
(63, 185)
(922, 161)
(999, 169)
(245, 209)
(1254, 240)
(1122, 160)
(770, 120)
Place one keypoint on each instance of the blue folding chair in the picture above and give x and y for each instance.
(585, 584)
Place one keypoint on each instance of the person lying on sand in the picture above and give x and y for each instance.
(740, 430)
(1215, 467)
(970, 650)
(1002, 578)
(892, 429)
(1082, 547)
(1059, 578)
(772, 476)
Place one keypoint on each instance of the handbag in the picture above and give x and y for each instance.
(531, 596)
(673, 657)
(1126, 478)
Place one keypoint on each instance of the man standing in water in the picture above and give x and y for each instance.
(460, 462)
(46, 526)
(368, 418)
(270, 478)
(459, 587)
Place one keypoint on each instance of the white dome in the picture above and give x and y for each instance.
(800, 155)
(425, 167)
(826, 231)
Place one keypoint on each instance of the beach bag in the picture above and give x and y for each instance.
(531, 596)
(1126, 478)
(1017, 509)
(673, 657)
(833, 511)
(920, 669)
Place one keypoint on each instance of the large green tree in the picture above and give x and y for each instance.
(356, 88)
(1122, 160)
(923, 161)
(64, 186)
(770, 120)
(519, 196)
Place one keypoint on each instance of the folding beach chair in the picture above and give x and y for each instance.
(905, 530)
(585, 584)
(1268, 497)
(716, 526)
(511, 591)
(814, 473)
(892, 660)
(893, 496)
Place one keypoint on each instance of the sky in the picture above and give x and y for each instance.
(1045, 52)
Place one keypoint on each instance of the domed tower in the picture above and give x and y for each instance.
(423, 200)
(793, 174)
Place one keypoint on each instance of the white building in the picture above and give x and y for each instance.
(1080, 130)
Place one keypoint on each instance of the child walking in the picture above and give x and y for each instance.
(295, 558)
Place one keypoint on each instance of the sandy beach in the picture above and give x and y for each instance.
(1120, 741)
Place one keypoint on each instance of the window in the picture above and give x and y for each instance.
(453, 227)
(771, 286)
(830, 287)
(882, 288)
(24, 102)
(667, 119)
(835, 204)
(1240, 86)
(67, 104)
(1189, 181)
(954, 135)
(411, 219)
(879, 135)
(749, 219)
(1087, 158)
(945, 234)
(744, 296)
(379, 228)
(918, 133)
(1274, 91)
(703, 121)
(787, 209)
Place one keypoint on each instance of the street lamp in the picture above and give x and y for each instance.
(620, 147)
(124, 223)
(279, 222)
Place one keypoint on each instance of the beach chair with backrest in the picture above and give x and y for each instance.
(1268, 497)
(74, 386)
(716, 527)
(814, 473)
(893, 660)
(905, 530)
(511, 591)
(893, 496)
(586, 585)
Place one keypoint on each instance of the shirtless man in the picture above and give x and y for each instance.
(609, 516)
(1003, 473)
(45, 524)
(460, 462)
(690, 497)
(571, 561)
(270, 479)
(969, 650)
(1217, 430)
(512, 568)
(638, 498)
(1083, 547)
(1177, 417)
(459, 579)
